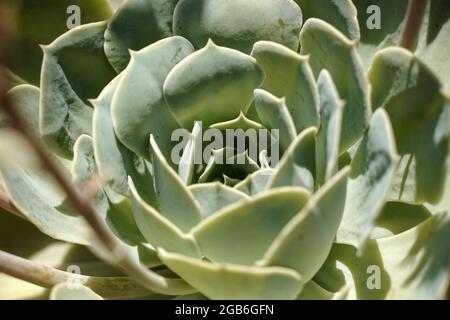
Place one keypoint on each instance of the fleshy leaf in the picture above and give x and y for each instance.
(311, 231)
(421, 123)
(226, 281)
(136, 24)
(185, 211)
(398, 217)
(64, 115)
(226, 162)
(372, 170)
(256, 182)
(159, 231)
(36, 195)
(114, 161)
(238, 24)
(297, 166)
(41, 22)
(64, 291)
(201, 89)
(138, 107)
(274, 114)
(84, 171)
(412, 265)
(329, 133)
(289, 75)
(250, 225)
(339, 13)
(215, 196)
(326, 46)
(187, 162)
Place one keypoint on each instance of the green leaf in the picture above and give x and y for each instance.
(158, 230)
(435, 55)
(84, 172)
(64, 291)
(329, 133)
(41, 22)
(36, 195)
(398, 217)
(225, 162)
(274, 114)
(312, 291)
(238, 24)
(403, 186)
(250, 225)
(187, 162)
(326, 46)
(114, 161)
(185, 211)
(66, 85)
(136, 24)
(227, 281)
(256, 182)
(311, 231)
(297, 166)
(390, 15)
(289, 75)
(421, 123)
(339, 13)
(215, 196)
(138, 107)
(372, 170)
(200, 89)
(412, 265)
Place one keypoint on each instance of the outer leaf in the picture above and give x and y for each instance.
(326, 45)
(41, 22)
(159, 231)
(64, 116)
(64, 291)
(311, 231)
(136, 24)
(185, 211)
(339, 13)
(297, 167)
(138, 107)
(420, 122)
(250, 225)
(215, 196)
(329, 133)
(229, 281)
(372, 170)
(413, 264)
(36, 195)
(274, 114)
(238, 24)
(398, 217)
(289, 75)
(201, 89)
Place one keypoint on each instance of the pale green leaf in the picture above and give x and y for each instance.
(64, 291)
(228, 281)
(238, 24)
(311, 232)
(250, 225)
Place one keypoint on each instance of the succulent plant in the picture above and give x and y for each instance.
(357, 207)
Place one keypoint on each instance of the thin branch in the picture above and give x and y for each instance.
(47, 277)
(414, 18)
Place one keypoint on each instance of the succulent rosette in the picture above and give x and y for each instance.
(356, 208)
